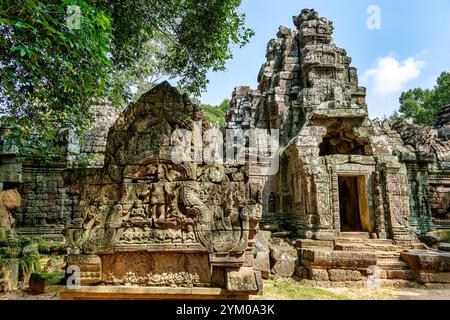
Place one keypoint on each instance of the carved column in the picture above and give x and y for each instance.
(397, 202)
(335, 201)
(322, 198)
(380, 223)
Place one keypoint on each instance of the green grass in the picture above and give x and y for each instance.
(420, 286)
(291, 290)
(443, 235)
(446, 239)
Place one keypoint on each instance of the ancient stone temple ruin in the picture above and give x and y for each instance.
(46, 205)
(354, 201)
(355, 192)
(150, 222)
(332, 156)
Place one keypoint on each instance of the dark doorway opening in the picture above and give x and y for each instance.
(349, 206)
(272, 204)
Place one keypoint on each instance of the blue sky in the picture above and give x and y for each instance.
(411, 49)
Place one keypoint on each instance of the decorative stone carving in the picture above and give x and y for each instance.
(154, 222)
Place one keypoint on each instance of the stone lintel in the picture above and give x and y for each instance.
(145, 293)
(185, 248)
(340, 113)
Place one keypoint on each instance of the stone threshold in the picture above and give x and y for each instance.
(145, 293)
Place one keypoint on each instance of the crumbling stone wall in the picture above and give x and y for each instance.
(46, 205)
(426, 151)
(439, 197)
(242, 108)
(426, 154)
(92, 144)
(9, 202)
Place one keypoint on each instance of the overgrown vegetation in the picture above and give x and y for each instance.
(27, 250)
(216, 114)
(54, 67)
(423, 105)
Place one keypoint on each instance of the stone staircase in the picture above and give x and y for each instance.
(355, 259)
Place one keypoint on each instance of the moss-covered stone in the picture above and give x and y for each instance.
(41, 282)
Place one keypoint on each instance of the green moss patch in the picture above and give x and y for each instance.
(49, 278)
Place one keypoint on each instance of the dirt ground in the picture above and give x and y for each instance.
(291, 290)
(27, 295)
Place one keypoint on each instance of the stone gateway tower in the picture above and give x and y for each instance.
(169, 229)
(355, 194)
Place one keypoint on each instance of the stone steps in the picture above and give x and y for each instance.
(388, 257)
(406, 275)
(392, 265)
(386, 266)
(444, 246)
(443, 224)
(364, 241)
(393, 268)
(419, 246)
(354, 235)
(388, 260)
(396, 283)
(372, 247)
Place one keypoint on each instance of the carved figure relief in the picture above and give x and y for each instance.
(149, 203)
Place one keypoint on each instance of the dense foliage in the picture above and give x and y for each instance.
(50, 74)
(216, 114)
(52, 71)
(422, 105)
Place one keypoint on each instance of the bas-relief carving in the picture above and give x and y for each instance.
(154, 207)
(157, 269)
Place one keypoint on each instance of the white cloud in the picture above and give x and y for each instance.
(430, 82)
(391, 75)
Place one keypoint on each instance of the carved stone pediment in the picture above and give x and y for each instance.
(147, 206)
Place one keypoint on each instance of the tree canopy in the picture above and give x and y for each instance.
(422, 105)
(51, 72)
(217, 114)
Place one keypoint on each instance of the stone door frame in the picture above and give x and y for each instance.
(363, 173)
